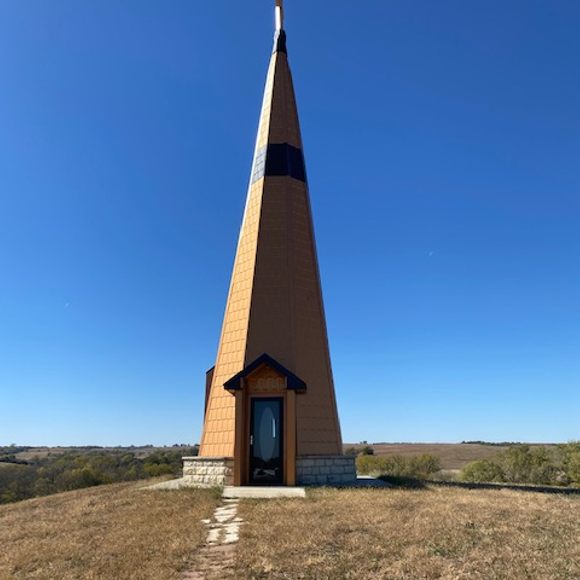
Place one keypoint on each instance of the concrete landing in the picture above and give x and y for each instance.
(248, 492)
(257, 492)
(170, 485)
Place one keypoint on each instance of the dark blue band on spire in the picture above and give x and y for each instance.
(280, 42)
(283, 159)
(279, 160)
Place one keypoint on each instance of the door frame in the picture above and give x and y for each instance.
(282, 400)
(242, 432)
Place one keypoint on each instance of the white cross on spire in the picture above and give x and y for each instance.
(279, 15)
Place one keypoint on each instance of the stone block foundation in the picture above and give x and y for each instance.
(208, 471)
(310, 470)
(326, 470)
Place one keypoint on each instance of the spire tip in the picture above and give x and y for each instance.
(279, 15)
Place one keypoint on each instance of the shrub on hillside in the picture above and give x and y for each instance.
(571, 461)
(419, 467)
(423, 466)
(157, 469)
(366, 464)
(526, 464)
(79, 478)
(482, 471)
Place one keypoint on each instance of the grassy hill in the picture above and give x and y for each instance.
(123, 532)
(411, 534)
(112, 531)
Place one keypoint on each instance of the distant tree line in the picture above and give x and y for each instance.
(75, 470)
(494, 443)
(12, 449)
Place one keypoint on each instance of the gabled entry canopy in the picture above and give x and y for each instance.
(292, 381)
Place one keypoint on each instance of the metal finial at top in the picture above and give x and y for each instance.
(279, 15)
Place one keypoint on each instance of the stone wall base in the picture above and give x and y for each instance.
(208, 471)
(326, 470)
(310, 470)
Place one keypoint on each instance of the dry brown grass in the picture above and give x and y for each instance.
(110, 532)
(429, 533)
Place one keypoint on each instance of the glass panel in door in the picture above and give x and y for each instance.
(266, 442)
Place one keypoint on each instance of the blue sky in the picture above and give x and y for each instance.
(443, 151)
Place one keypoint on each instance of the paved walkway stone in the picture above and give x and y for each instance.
(216, 558)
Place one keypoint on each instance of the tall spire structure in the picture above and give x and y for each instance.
(271, 412)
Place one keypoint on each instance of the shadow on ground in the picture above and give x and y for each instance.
(404, 482)
(515, 487)
(412, 483)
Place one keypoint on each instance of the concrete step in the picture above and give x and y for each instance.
(259, 492)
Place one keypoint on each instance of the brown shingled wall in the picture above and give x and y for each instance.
(275, 303)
